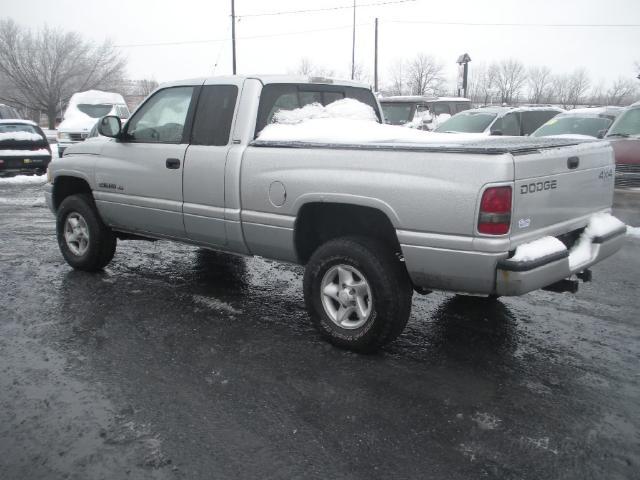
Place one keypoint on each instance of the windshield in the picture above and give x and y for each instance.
(467, 122)
(627, 124)
(397, 113)
(573, 124)
(95, 111)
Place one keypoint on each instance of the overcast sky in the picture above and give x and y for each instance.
(325, 37)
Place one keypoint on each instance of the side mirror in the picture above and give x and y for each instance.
(110, 126)
(601, 133)
(496, 132)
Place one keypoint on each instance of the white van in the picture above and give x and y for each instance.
(83, 111)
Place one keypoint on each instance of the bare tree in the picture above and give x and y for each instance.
(539, 80)
(399, 82)
(579, 83)
(511, 77)
(307, 69)
(425, 75)
(44, 69)
(561, 90)
(359, 73)
(146, 86)
(482, 84)
(622, 91)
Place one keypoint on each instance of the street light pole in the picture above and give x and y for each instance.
(233, 34)
(353, 44)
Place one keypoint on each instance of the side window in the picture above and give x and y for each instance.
(440, 108)
(511, 124)
(532, 120)
(214, 115)
(162, 118)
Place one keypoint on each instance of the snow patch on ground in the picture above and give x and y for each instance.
(486, 421)
(24, 180)
(599, 225)
(216, 304)
(633, 232)
(29, 202)
(538, 249)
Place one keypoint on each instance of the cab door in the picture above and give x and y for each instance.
(139, 176)
(205, 163)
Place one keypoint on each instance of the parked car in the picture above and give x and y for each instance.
(7, 112)
(82, 113)
(580, 123)
(23, 148)
(371, 221)
(512, 121)
(624, 136)
(421, 112)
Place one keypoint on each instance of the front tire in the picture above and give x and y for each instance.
(357, 293)
(85, 241)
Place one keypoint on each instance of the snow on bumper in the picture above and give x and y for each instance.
(543, 262)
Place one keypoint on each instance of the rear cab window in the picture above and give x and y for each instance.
(288, 96)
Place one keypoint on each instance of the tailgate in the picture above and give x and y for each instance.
(557, 189)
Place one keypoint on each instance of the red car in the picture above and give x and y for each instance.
(624, 135)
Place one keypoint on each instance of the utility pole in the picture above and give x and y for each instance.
(353, 44)
(233, 34)
(375, 61)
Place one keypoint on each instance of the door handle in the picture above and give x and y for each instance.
(573, 162)
(173, 163)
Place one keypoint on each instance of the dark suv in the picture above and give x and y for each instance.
(512, 121)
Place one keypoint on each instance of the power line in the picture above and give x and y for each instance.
(324, 9)
(479, 24)
(214, 40)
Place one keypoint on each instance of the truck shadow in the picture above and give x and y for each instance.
(466, 329)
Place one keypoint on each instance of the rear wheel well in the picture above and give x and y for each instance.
(318, 223)
(66, 186)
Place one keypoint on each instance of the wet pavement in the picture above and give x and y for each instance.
(180, 363)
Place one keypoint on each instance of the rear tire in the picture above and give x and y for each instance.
(357, 293)
(85, 241)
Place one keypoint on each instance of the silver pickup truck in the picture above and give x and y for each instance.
(371, 222)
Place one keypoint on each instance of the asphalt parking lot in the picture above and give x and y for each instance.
(181, 363)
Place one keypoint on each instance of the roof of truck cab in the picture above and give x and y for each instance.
(268, 79)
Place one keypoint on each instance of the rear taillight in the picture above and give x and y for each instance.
(495, 211)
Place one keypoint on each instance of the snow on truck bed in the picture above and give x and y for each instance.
(348, 122)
